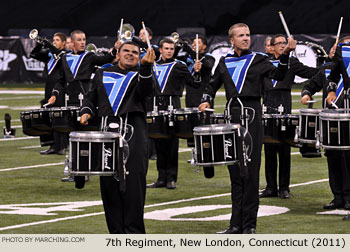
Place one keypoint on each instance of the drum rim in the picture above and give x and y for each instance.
(188, 110)
(334, 114)
(215, 128)
(312, 111)
(158, 113)
(87, 135)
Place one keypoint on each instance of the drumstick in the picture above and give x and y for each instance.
(197, 52)
(209, 109)
(339, 28)
(311, 101)
(334, 105)
(284, 24)
(120, 29)
(47, 104)
(149, 44)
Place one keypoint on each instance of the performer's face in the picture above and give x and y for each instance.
(240, 39)
(58, 43)
(142, 36)
(79, 42)
(279, 45)
(167, 50)
(129, 56)
(201, 46)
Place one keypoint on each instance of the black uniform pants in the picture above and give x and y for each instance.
(167, 158)
(124, 211)
(245, 190)
(283, 152)
(339, 174)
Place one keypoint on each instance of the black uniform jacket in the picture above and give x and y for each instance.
(341, 61)
(77, 69)
(295, 68)
(244, 75)
(140, 86)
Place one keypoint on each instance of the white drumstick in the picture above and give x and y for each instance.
(120, 29)
(197, 51)
(334, 105)
(284, 24)
(149, 44)
(311, 101)
(47, 104)
(339, 28)
(209, 109)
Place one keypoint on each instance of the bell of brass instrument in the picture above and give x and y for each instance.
(91, 48)
(34, 35)
(127, 33)
(175, 37)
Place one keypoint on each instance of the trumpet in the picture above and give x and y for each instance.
(177, 40)
(34, 35)
(127, 32)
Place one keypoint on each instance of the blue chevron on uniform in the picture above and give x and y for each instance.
(51, 64)
(163, 73)
(74, 61)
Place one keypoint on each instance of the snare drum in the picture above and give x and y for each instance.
(335, 129)
(64, 120)
(187, 118)
(94, 153)
(309, 125)
(216, 144)
(217, 118)
(292, 121)
(272, 128)
(26, 119)
(158, 124)
(41, 119)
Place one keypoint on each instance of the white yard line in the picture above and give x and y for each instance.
(30, 147)
(18, 138)
(19, 98)
(30, 167)
(21, 92)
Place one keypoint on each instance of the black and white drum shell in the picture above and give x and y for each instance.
(309, 124)
(26, 119)
(64, 119)
(185, 119)
(94, 153)
(335, 129)
(158, 124)
(216, 144)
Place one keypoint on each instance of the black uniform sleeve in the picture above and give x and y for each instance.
(208, 62)
(214, 83)
(90, 102)
(334, 76)
(145, 84)
(184, 75)
(302, 70)
(101, 60)
(270, 71)
(315, 84)
(60, 84)
(39, 53)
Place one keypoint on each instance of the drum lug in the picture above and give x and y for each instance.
(67, 166)
(296, 137)
(318, 145)
(193, 158)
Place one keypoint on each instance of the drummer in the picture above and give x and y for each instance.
(168, 93)
(277, 93)
(124, 211)
(253, 67)
(338, 160)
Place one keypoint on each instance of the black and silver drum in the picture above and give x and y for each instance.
(95, 153)
(41, 119)
(292, 122)
(217, 144)
(309, 125)
(64, 120)
(335, 129)
(186, 119)
(26, 119)
(272, 128)
(217, 118)
(158, 124)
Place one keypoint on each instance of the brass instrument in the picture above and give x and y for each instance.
(34, 35)
(91, 48)
(127, 32)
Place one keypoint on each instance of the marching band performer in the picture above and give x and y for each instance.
(172, 77)
(51, 55)
(120, 91)
(278, 93)
(338, 160)
(242, 75)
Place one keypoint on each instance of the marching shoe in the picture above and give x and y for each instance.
(171, 185)
(156, 184)
(268, 193)
(249, 231)
(347, 205)
(284, 194)
(333, 205)
(49, 151)
(61, 152)
(68, 179)
(231, 230)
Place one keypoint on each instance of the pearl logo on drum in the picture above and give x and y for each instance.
(107, 154)
(227, 145)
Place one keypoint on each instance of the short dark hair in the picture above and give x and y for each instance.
(73, 33)
(61, 35)
(341, 40)
(129, 43)
(150, 32)
(165, 40)
(272, 42)
(204, 40)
